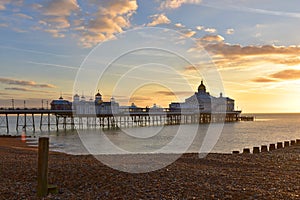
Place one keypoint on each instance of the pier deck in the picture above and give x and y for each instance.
(68, 119)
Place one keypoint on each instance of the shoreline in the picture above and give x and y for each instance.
(272, 175)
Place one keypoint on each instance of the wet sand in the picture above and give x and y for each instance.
(270, 175)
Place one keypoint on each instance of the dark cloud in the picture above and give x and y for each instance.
(26, 90)
(10, 81)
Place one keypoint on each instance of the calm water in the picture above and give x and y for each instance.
(266, 129)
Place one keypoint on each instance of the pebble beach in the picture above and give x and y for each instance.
(268, 175)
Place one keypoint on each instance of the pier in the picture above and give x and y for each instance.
(67, 119)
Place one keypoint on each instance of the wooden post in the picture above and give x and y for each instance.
(286, 143)
(42, 176)
(255, 150)
(272, 147)
(293, 142)
(246, 150)
(264, 148)
(279, 145)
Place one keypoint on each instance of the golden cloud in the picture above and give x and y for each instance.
(112, 17)
(173, 4)
(289, 74)
(227, 55)
(11, 81)
(264, 80)
(60, 7)
(159, 19)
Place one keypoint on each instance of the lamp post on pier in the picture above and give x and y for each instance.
(42, 104)
(24, 104)
(13, 104)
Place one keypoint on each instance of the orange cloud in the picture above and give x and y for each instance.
(289, 74)
(60, 7)
(264, 80)
(175, 93)
(227, 55)
(10, 81)
(159, 19)
(112, 17)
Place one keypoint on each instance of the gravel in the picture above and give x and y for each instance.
(268, 175)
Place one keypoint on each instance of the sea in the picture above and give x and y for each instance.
(191, 138)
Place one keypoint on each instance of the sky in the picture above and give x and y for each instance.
(151, 51)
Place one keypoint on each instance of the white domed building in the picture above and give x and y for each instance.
(202, 101)
(94, 107)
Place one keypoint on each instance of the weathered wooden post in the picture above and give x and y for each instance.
(297, 141)
(272, 147)
(293, 142)
(255, 150)
(279, 145)
(264, 148)
(246, 150)
(42, 176)
(286, 143)
(235, 152)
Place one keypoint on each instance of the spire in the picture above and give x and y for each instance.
(202, 88)
(61, 96)
(98, 94)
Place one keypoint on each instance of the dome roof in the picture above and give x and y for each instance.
(76, 95)
(201, 87)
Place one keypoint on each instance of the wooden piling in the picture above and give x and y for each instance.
(272, 147)
(255, 150)
(286, 143)
(7, 124)
(42, 176)
(298, 142)
(246, 150)
(279, 145)
(264, 148)
(293, 142)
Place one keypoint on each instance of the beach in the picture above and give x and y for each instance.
(269, 175)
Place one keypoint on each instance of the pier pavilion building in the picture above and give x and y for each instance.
(94, 106)
(202, 101)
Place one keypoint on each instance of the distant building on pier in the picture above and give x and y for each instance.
(94, 106)
(202, 101)
(61, 104)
